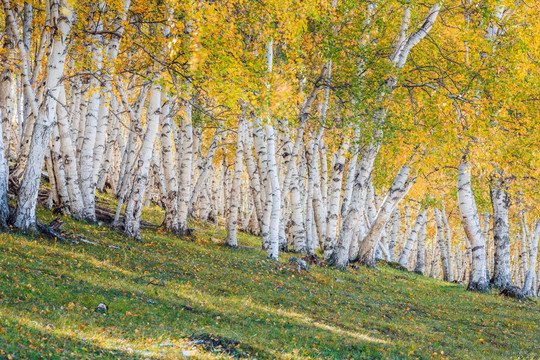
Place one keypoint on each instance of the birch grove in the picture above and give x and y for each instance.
(320, 131)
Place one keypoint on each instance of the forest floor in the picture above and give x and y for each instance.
(171, 298)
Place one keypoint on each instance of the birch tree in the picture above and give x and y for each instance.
(24, 216)
(473, 231)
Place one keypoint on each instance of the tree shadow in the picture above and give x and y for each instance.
(29, 341)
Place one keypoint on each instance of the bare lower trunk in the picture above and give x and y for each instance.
(204, 169)
(297, 217)
(4, 175)
(401, 186)
(500, 201)
(88, 185)
(273, 248)
(413, 235)
(394, 234)
(442, 244)
(6, 90)
(523, 258)
(171, 186)
(529, 287)
(135, 202)
(421, 250)
(254, 177)
(448, 233)
(186, 166)
(335, 195)
(234, 205)
(76, 204)
(24, 216)
(349, 228)
(59, 173)
(473, 231)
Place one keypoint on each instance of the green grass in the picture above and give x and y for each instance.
(171, 290)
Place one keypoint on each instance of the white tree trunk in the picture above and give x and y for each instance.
(171, 185)
(104, 101)
(58, 171)
(413, 235)
(500, 201)
(442, 244)
(273, 246)
(471, 225)
(186, 166)
(4, 175)
(394, 234)
(205, 167)
(351, 223)
(234, 205)
(523, 258)
(298, 230)
(421, 250)
(25, 212)
(311, 242)
(333, 201)
(349, 183)
(319, 215)
(448, 233)
(529, 288)
(86, 164)
(76, 204)
(401, 186)
(113, 137)
(6, 91)
(254, 178)
(135, 202)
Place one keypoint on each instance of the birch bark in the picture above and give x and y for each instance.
(351, 223)
(104, 101)
(334, 197)
(86, 167)
(448, 233)
(24, 216)
(421, 250)
(186, 167)
(234, 205)
(171, 185)
(76, 204)
(413, 235)
(442, 244)
(529, 287)
(401, 186)
(394, 234)
(500, 202)
(273, 246)
(135, 202)
(4, 175)
(471, 225)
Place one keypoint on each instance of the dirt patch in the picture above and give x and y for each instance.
(219, 344)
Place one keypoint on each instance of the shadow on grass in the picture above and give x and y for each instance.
(28, 341)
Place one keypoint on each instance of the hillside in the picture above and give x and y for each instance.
(171, 297)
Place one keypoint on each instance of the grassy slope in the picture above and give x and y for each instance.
(266, 309)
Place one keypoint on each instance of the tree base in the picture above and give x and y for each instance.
(513, 292)
(333, 260)
(270, 257)
(183, 233)
(500, 282)
(397, 266)
(479, 286)
(367, 260)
